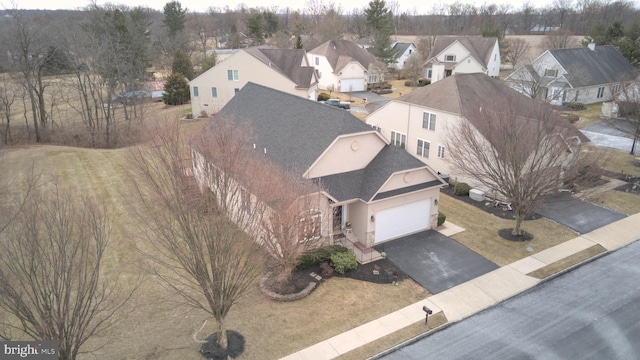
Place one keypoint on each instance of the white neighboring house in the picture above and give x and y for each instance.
(587, 75)
(286, 70)
(463, 55)
(344, 66)
(419, 121)
(403, 51)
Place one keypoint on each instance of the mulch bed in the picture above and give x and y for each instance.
(211, 349)
(507, 234)
(488, 206)
(387, 273)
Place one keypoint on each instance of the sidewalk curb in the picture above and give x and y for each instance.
(448, 324)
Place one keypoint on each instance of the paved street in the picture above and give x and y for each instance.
(592, 312)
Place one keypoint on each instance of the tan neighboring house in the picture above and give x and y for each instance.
(463, 55)
(282, 69)
(344, 66)
(378, 189)
(419, 121)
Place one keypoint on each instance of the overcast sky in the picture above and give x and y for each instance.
(420, 6)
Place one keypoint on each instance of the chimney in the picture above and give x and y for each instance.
(592, 46)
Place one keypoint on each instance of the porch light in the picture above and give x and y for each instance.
(373, 218)
(435, 201)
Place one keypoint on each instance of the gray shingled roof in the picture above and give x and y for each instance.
(340, 52)
(364, 184)
(463, 93)
(479, 47)
(288, 62)
(400, 47)
(295, 131)
(586, 67)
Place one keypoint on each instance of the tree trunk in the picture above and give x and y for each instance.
(517, 231)
(222, 335)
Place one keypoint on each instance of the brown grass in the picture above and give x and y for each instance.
(481, 233)
(621, 162)
(626, 203)
(157, 327)
(399, 89)
(589, 116)
(395, 338)
(567, 262)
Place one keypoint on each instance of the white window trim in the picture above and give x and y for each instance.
(447, 55)
(311, 214)
(441, 151)
(420, 151)
(403, 139)
(431, 122)
(214, 88)
(196, 91)
(235, 75)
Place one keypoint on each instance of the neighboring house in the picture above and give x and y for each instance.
(463, 55)
(222, 54)
(587, 75)
(541, 29)
(282, 69)
(403, 51)
(419, 121)
(383, 192)
(344, 66)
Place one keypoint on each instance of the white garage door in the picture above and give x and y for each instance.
(347, 85)
(402, 220)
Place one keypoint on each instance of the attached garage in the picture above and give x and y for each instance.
(347, 85)
(402, 220)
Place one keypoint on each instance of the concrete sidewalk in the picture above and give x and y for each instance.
(475, 295)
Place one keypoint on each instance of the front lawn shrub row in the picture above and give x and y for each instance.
(315, 257)
(461, 189)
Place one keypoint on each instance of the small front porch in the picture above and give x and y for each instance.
(363, 254)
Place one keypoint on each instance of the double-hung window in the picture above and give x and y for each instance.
(600, 92)
(398, 139)
(429, 121)
(423, 148)
(441, 151)
(195, 91)
(214, 92)
(232, 75)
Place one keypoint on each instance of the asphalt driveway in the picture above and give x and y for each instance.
(612, 133)
(435, 261)
(578, 215)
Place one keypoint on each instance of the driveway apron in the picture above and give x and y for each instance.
(578, 215)
(435, 261)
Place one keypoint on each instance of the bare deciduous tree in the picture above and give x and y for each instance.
(628, 101)
(560, 39)
(50, 272)
(414, 68)
(518, 150)
(518, 48)
(196, 250)
(8, 96)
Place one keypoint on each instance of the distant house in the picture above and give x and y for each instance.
(372, 191)
(419, 121)
(463, 55)
(221, 54)
(344, 66)
(283, 69)
(403, 51)
(588, 75)
(542, 29)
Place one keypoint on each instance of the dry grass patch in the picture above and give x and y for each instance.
(399, 89)
(626, 203)
(567, 262)
(589, 116)
(156, 327)
(621, 162)
(481, 233)
(395, 338)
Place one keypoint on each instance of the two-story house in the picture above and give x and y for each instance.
(463, 55)
(344, 66)
(380, 190)
(283, 69)
(402, 51)
(587, 75)
(420, 121)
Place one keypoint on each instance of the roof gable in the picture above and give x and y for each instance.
(341, 52)
(288, 62)
(292, 130)
(400, 48)
(479, 47)
(586, 67)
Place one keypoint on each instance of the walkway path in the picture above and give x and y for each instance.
(475, 295)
